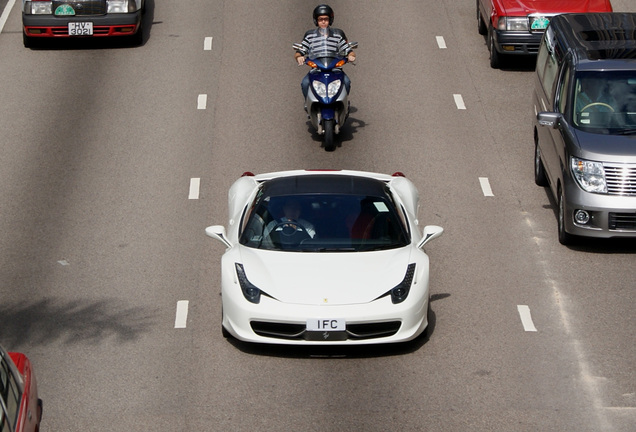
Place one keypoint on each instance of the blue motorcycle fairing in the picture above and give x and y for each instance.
(326, 78)
(328, 113)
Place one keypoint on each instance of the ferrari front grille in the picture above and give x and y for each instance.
(298, 331)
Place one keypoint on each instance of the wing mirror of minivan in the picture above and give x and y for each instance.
(549, 119)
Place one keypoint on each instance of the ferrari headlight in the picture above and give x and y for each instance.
(121, 6)
(38, 8)
(400, 292)
(334, 88)
(320, 88)
(589, 175)
(251, 293)
(513, 23)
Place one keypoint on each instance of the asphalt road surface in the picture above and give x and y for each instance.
(114, 159)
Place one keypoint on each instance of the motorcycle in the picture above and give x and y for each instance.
(327, 101)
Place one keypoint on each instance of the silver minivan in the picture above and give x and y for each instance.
(584, 102)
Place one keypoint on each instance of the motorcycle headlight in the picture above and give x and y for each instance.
(38, 8)
(589, 175)
(251, 293)
(401, 291)
(513, 23)
(121, 6)
(334, 87)
(320, 89)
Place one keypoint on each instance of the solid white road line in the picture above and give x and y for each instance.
(485, 186)
(195, 185)
(459, 101)
(202, 101)
(526, 318)
(207, 43)
(441, 43)
(182, 314)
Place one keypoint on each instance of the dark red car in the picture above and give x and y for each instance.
(515, 27)
(20, 407)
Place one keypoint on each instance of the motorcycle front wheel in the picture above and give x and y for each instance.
(328, 139)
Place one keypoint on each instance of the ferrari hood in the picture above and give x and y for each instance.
(338, 278)
(525, 7)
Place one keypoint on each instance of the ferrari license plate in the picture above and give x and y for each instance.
(326, 324)
(80, 29)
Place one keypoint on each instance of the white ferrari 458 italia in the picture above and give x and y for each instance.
(324, 257)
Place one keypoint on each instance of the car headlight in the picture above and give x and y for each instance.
(251, 293)
(589, 175)
(401, 291)
(513, 23)
(121, 6)
(320, 88)
(334, 88)
(38, 8)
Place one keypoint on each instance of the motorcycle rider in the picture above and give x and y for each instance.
(336, 42)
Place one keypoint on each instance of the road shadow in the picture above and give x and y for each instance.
(51, 320)
(346, 133)
(339, 352)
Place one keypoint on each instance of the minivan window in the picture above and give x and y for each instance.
(605, 102)
(564, 84)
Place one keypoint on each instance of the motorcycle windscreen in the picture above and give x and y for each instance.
(323, 44)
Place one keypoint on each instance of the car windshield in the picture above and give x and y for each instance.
(324, 222)
(605, 102)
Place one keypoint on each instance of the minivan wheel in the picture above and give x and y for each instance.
(564, 237)
(540, 178)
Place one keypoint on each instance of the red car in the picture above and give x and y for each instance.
(20, 407)
(82, 19)
(515, 27)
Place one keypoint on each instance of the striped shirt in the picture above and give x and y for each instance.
(329, 42)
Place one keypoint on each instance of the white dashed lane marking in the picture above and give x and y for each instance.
(182, 314)
(441, 43)
(459, 101)
(485, 186)
(195, 185)
(526, 318)
(202, 101)
(207, 43)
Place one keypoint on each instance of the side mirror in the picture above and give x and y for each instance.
(218, 232)
(430, 232)
(549, 119)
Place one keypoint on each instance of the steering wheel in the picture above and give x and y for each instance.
(289, 228)
(603, 104)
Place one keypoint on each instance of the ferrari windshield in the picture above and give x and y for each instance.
(324, 222)
(605, 102)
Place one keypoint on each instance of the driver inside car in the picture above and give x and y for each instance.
(291, 223)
